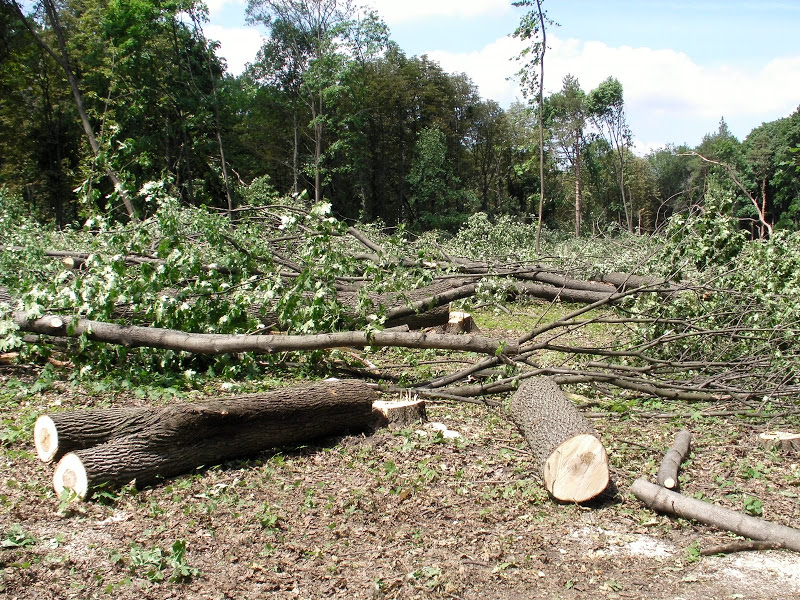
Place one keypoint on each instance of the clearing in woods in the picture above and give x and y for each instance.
(411, 513)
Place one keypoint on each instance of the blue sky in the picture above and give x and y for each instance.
(683, 64)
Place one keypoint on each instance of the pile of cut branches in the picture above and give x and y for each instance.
(285, 283)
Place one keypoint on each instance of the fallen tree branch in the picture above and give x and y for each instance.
(740, 547)
(211, 343)
(668, 471)
(663, 500)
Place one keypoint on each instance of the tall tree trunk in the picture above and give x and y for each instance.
(295, 151)
(64, 62)
(625, 201)
(578, 186)
(541, 127)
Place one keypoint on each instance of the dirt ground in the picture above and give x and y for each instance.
(404, 514)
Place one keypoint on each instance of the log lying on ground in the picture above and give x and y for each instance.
(663, 500)
(668, 471)
(56, 434)
(211, 343)
(551, 292)
(572, 460)
(628, 281)
(422, 307)
(178, 438)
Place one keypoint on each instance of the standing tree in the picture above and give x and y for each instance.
(568, 116)
(606, 107)
(306, 46)
(533, 28)
(62, 57)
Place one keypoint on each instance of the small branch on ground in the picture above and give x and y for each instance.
(668, 472)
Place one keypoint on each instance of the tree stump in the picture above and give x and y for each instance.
(166, 442)
(572, 460)
(460, 322)
(783, 441)
(397, 414)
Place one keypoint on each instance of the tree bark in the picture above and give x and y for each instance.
(551, 292)
(572, 460)
(210, 343)
(56, 434)
(668, 472)
(664, 500)
(176, 439)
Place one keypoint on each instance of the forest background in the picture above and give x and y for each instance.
(332, 109)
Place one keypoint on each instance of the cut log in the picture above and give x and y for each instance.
(627, 281)
(572, 460)
(397, 414)
(73, 262)
(182, 437)
(58, 433)
(551, 292)
(6, 358)
(666, 501)
(782, 441)
(668, 472)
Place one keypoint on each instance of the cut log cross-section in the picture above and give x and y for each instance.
(573, 461)
(176, 439)
(460, 322)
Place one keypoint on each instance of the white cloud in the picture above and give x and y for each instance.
(669, 97)
(216, 7)
(238, 45)
(399, 11)
(489, 68)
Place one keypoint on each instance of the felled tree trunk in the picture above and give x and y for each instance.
(173, 440)
(551, 292)
(572, 460)
(56, 434)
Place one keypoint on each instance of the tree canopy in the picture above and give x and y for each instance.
(105, 96)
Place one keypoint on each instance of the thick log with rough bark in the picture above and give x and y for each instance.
(178, 438)
(666, 501)
(668, 471)
(58, 433)
(572, 460)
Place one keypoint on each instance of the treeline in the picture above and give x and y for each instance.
(332, 109)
